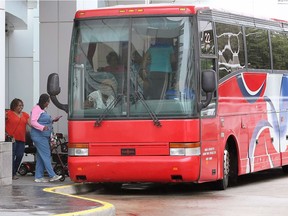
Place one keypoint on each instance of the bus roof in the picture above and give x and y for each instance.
(172, 9)
(138, 10)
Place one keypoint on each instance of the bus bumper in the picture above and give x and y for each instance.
(134, 169)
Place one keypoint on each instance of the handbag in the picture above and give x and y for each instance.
(9, 138)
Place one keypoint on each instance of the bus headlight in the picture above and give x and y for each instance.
(78, 149)
(185, 149)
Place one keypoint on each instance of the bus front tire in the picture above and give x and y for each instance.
(222, 184)
(230, 169)
(114, 187)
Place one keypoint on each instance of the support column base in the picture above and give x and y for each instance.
(5, 163)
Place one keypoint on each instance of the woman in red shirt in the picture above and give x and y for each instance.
(16, 121)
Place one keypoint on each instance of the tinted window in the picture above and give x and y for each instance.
(279, 50)
(257, 48)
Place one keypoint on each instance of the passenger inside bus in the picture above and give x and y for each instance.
(114, 64)
(103, 96)
(115, 67)
(157, 65)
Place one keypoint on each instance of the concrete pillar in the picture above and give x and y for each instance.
(5, 163)
(5, 148)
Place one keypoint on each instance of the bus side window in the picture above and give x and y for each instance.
(258, 50)
(206, 37)
(279, 41)
(230, 48)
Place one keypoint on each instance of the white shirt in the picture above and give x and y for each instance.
(96, 98)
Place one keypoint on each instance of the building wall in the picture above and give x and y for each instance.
(19, 65)
(2, 71)
(56, 20)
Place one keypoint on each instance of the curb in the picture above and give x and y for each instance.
(105, 208)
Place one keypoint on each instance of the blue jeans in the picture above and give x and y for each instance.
(43, 157)
(18, 148)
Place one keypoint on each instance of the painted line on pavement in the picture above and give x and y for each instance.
(106, 209)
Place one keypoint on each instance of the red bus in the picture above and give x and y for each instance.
(175, 93)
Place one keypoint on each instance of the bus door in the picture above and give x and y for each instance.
(209, 145)
(209, 135)
(208, 122)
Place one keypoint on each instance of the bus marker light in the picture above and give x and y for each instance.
(78, 145)
(184, 145)
(131, 10)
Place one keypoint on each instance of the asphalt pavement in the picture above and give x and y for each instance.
(26, 197)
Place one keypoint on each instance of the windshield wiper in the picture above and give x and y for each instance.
(151, 113)
(107, 109)
(156, 121)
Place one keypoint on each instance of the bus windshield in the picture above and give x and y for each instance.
(132, 68)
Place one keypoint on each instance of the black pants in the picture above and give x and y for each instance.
(156, 86)
(18, 148)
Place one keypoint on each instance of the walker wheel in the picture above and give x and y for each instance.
(22, 170)
(59, 170)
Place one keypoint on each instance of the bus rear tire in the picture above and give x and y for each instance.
(285, 169)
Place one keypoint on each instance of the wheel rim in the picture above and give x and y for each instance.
(58, 170)
(22, 170)
(226, 168)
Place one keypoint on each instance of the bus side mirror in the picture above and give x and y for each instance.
(208, 86)
(53, 89)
